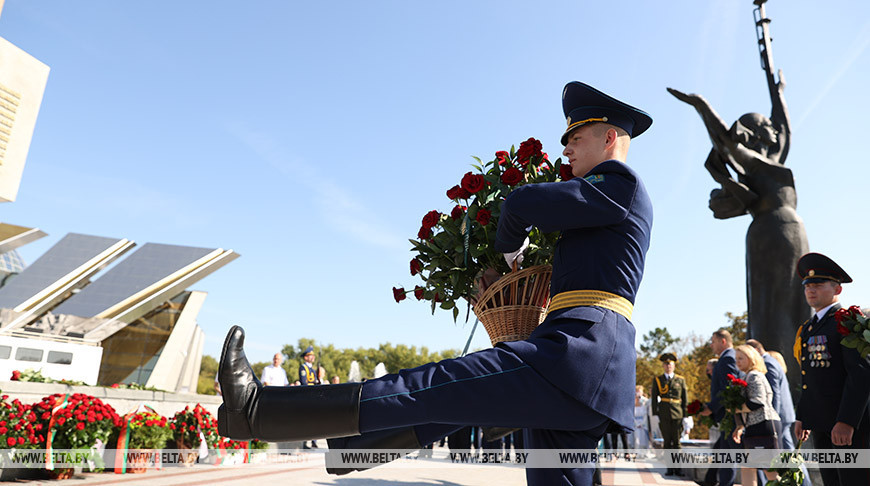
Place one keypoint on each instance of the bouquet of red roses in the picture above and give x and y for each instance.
(453, 248)
(854, 326)
(732, 399)
(188, 423)
(695, 408)
(20, 427)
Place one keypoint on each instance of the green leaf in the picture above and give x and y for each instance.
(477, 159)
(455, 313)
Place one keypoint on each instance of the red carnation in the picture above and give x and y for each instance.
(457, 192)
(457, 212)
(528, 149)
(565, 172)
(416, 267)
(424, 233)
(16, 375)
(399, 294)
(512, 176)
(472, 182)
(418, 292)
(483, 216)
(80, 426)
(431, 219)
(502, 157)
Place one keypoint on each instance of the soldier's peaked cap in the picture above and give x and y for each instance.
(308, 350)
(584, 104)
(815, 268)
(668, 357)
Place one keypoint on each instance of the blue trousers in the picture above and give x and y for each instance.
(493, 387)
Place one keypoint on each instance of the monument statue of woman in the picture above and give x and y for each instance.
(755, 148)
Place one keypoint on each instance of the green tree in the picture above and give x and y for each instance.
(656, 342)
(207, 371)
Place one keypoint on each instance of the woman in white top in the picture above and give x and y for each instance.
(641, 419)
(756, 421)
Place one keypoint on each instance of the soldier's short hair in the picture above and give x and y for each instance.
(724, 334)
(755, 344)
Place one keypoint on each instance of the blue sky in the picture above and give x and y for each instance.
(312, 137)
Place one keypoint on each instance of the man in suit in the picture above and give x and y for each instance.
(723, 346)
(669, 402)
(835, 381)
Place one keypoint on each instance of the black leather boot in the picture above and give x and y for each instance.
(404, 438)
(280, 413)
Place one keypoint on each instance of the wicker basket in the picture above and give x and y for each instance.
(511, 308)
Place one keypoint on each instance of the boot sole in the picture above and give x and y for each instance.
(231, 424)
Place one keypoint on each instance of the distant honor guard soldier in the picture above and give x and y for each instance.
(669, 402)
(835, 381)
(307, 373)
(568, 383)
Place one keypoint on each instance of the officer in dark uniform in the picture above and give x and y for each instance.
(835, 381)
(566, 384)
(669, 402)
(307, 373)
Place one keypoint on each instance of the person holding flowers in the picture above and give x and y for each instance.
(722, 344)
(757, 423)
(835, 381)
(568, 383)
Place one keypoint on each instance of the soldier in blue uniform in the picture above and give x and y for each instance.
(571, 380)
(835, 381)
(307, 372)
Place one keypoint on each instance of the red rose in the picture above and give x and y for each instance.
(528, 149)
(80, 426)
(61, 420)
(418, 292)
(431, 219)
(3, 430)
(565, 172)
(416, 267)
(399, 294)
(172, 426)
(512, 176)
(472, 182)
(694, 407)
(457, 192)
(191, 428)
(483, 216)
(731, 377)
(843, 330)
(10, 441)
(856, 311)
(457, 212)
(116, 385)
(424, 233)
(21, 440)
(16, 375)
(502, 157)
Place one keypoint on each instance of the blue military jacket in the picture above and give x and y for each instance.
(605, 219)
(836, 381)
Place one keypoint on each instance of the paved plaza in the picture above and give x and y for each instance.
(308, 470)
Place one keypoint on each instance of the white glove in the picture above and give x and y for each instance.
(516, 256)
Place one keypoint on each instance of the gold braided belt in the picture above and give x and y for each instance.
(597, 298)
(670, 400)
